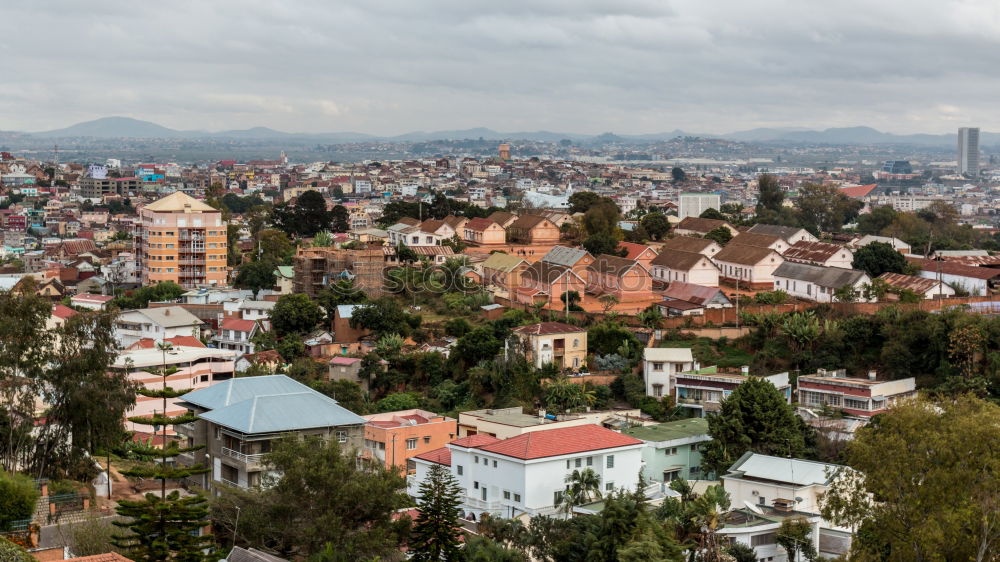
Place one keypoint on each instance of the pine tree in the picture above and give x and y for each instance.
(164, 527)
(436, 531)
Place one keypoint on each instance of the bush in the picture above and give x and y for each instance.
(17, 498)
(10, 552)
(610, 362)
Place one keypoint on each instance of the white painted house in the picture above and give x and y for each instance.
(156, 324)
(660, 363)
(817, 283)
(523, 475)
(687, 267)
(778, 487)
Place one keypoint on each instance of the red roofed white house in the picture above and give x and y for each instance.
(92, 302)
(524, 474)
(235, 333)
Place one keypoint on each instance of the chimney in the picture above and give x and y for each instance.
(872, 375)
(166, 312)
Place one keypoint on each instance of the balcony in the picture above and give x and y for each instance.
(248, 460)
(230, 483)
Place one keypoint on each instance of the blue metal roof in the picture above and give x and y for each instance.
(269, 404)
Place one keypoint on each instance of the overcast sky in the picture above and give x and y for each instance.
(581, 66)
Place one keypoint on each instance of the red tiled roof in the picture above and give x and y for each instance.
(563, 441)
(341, 360)
(476, 440)
(438, 456)
(238, 324)
(87, 297)
(62, 311)
(185, 341)
(858, 190)
(634, 250)
(479, 224)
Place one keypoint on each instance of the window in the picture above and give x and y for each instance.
(576, 343)
(341, 437)
(568, 463)
(695, 471)
(578, 463)
(494, 463)
(483, 489)
(855, 404)
(506, 494)
(517, 497)
(459, 469)
(411, 444)
(761, 500)
(475, 459)
(610, 486)
(611, 461)
(475, 485)
(657, 366)
(427, 438)
(486, 461)
(590, 461)
(761, 540)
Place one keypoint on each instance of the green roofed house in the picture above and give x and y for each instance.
(239, 419)
(502, 272)
(672, 449)
(284, 276)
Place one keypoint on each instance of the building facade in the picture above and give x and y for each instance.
(183, 240)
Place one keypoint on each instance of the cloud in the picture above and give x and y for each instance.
(588, 66)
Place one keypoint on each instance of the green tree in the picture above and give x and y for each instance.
(581, 201)
(845, 293)
(677, 175)
(878, 258)
(795, 536)
(316, 498)
(825, 208)
(457, 327)
(17, 498)
(436, 531)
(256, 275)
(755, 417)
(347, 393)
(398, 401)
(295, 314)
(877, 221)
(601, 243)
(141, 297)
(482, 549)
(336, 294)
(602, 219)
(933, 471)
(274, 246)
(720, 235)
(164, 526)
(340, 218)
(712, 213)
(656, 225)
(478, 345)
(381, 317)
(771, 195)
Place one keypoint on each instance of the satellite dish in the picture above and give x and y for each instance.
(798, 499)
(753, 507)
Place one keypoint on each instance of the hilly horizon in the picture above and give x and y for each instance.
(127, 127)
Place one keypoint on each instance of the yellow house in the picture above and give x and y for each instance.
(554, 342)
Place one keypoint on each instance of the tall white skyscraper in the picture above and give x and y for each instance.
(968, 151)
(694, 204)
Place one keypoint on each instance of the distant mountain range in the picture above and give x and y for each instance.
(126, 127)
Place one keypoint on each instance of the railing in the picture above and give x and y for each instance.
(245, 458)
(191, 262)
(230, 483)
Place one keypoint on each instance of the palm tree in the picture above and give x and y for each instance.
(582, 486)
(709, 510)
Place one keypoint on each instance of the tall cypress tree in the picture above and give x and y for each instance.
(164, 526)
(436, 532)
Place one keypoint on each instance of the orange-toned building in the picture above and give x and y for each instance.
(395, 437)
(181, 239)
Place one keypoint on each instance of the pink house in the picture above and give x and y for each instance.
(546, 282)
(638, 252)
(625, 279)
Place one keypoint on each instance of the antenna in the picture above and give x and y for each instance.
(55, 153)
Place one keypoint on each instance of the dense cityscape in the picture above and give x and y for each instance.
(603, 281)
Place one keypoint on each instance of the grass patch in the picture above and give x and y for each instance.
(710, 352)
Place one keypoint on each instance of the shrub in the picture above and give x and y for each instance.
(17, 498)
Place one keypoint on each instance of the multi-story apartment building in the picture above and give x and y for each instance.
(181, 239)
(395, 437)
(97, 188)
(193, 367)
(240, 418)
(855, 397)
(968, 151)
(315, 268)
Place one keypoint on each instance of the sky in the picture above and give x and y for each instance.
(578, 66)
